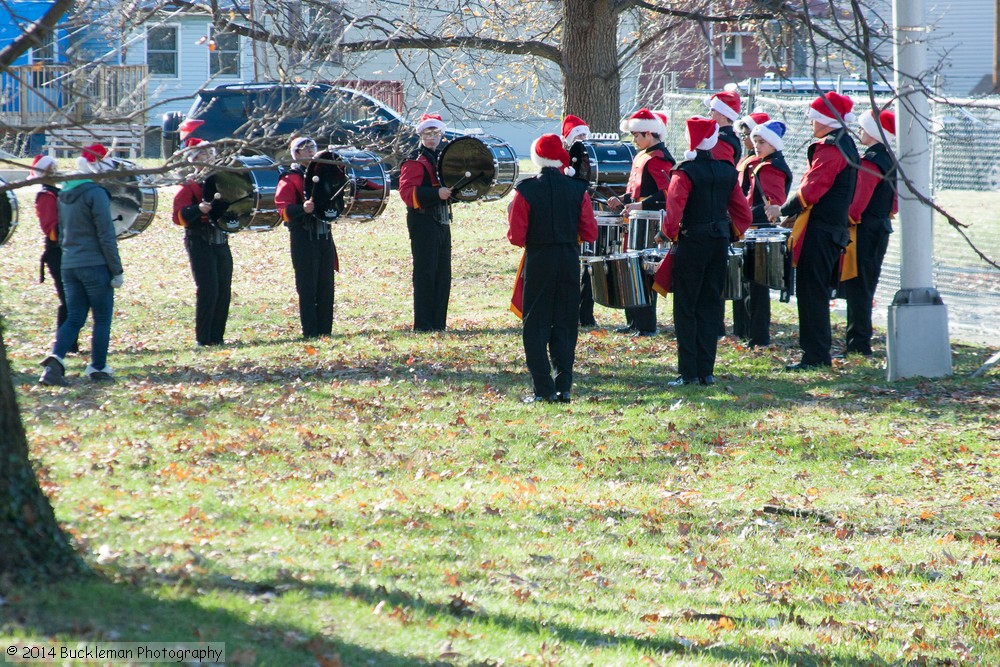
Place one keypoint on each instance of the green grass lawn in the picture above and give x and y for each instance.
(384, 498)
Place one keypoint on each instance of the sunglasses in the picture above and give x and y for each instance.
(431, 133)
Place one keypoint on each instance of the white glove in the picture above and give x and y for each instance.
(116, 281)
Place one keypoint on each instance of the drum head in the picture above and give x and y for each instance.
(326, 184)
(579, 159)
(468, 163)
(8, 214)
(235, 189)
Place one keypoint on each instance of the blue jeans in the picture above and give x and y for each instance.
(87, 288)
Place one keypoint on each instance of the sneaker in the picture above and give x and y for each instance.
(682, 381)
(54, 374)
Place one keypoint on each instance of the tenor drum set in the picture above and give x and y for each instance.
(625, 258)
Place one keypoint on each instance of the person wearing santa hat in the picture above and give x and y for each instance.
(818, 215)
(314, 254)
(872, 209)
(768, 179)
(91, 268)
(743, 127)
(574, 132)
(724, 109)
(207, 246)
(47, 209)
(646, 190)
(705, 211)
(548, 217)
(428, 220)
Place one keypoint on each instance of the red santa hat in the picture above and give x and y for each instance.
(751, 121)
(548, 151)
(430, 121)
(702, 134)
(727, 103)
(193, 146)
(41, 164)
(93, 159)
(886, 119)
(832, 109)
(644, 120)
(773, 132)
(572, 128)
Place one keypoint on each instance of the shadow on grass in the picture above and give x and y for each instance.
(94, 609)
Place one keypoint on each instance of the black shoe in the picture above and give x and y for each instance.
(708, 380)
(563, 397)
(804, 367)
(644, 334)
(100, 377)
(541, 399)
(54, 374)
(681, 382)
(627, 329)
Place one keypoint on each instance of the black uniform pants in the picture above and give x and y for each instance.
(313, 261)
(873, 240)
(817, 272)
(551, 308)
(752, 315)
(642, 318)
(430, 244)
(212, 268)
(586, 299)
(52, 258)
(698, 279)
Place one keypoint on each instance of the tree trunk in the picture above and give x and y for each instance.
(591, 80)
(32, 545)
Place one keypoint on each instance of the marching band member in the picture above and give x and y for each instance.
(646, 190)
(548, 216)
(428, 220)
(705, 210)
(314, 255)
(820, 231)
(768, 180)
(574, 130)
(743, 126)
(207, 246)
(47, 209)
(874, 205)
(91, 268)
(724, 109)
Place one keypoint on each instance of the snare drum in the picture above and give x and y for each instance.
(610, 232)
(605, 163)
(766, 256)
(618, 281)
(483, 167)
(8, 214)
(643, 226)
(133, 201)
(248, 187)
(732, 290)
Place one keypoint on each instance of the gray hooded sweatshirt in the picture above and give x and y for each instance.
(86, 232)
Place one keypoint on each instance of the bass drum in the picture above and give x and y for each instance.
(8, 214)
(606, 164)
(478, 166)
(367, 195)
(133, 201)
(247, 185)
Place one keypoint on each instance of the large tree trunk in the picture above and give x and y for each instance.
(591, 79)
(32, 545)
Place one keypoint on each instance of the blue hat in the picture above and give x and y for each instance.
(773, 132)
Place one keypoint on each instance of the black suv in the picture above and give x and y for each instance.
(262, 118)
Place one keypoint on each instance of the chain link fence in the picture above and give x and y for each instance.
(965, 153)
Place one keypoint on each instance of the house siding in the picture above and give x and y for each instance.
(961, 38)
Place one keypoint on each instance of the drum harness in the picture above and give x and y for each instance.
(318, 228)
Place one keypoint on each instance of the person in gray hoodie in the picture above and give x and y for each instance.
(91, 268)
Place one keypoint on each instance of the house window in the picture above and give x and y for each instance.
(732, 50)
(161, 50)
(46, 53)
(224, 53)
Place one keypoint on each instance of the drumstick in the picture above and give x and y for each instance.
(465, 181)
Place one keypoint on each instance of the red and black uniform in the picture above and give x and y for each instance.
(314, 255)
(819, 237)
(549, 216)
(705, 211)
(211, 262)
(428, 220)
(728, 148)
(47, 208)
(875, 202)
(647, 183)
(764, 182)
